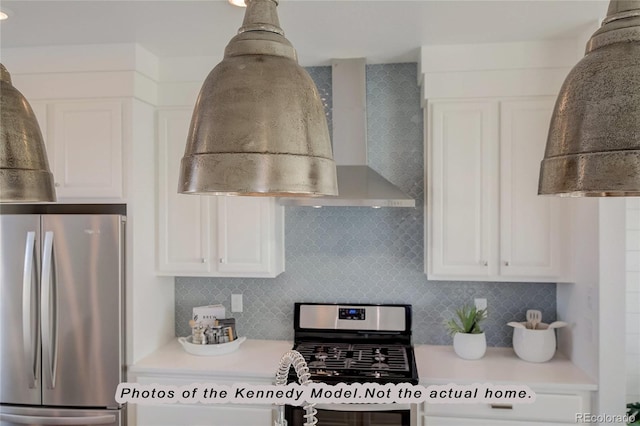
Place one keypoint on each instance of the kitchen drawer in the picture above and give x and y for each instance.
(201, 414)
(209, 415)
(556, 407)
(452, 421)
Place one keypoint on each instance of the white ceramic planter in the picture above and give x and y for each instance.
(470, 346)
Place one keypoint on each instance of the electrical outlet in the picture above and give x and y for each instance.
(236, 303)
(480, 303)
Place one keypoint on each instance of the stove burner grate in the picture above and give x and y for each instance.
(357, 357)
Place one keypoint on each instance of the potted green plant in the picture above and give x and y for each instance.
(469, 341)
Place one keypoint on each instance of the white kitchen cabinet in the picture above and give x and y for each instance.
(211, 235)
(246, 235)
(531, 231)
(551, 408)
(484, 218)
(201, 414)
(462, 176)
(84, 140)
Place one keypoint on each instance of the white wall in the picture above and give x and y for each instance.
(593, 303)
(611, 302)
(577, 301)
(633, 299)
(151, 303)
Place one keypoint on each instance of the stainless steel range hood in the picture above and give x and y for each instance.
(358, 184)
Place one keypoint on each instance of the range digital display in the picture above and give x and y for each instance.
(357, 314)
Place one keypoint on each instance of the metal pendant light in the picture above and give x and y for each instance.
(258, 127)
(593, 148)
(24, 169)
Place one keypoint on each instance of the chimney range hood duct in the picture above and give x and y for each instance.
(358, 184)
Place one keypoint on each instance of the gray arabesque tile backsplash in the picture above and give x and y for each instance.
(364, 255)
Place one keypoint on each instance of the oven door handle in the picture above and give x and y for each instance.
(363, 407)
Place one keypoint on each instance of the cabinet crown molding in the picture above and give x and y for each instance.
(84, 71)
(495, 69)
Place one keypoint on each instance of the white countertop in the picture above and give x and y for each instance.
(254, 359)
(436, 365)
(440, 365)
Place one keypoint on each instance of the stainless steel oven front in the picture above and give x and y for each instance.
(355, 343)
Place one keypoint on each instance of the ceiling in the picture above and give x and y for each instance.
(381, 31)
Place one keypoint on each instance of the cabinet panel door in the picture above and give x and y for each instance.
(184, 227)
(88, 149)
(464, 164)
(243, 234)
(547, 407)
(207, 415)
(530, 225)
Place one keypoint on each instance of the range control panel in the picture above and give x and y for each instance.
(352, 314)
(360, 317)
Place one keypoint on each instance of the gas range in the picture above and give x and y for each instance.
(349, 343)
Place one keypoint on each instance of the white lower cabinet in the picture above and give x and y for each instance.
(203, 415)
(200, 414)
(485, 220)
(221, 236)
(551, 408)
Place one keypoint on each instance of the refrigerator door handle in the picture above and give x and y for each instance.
(49, 311)
(108, 419)
(31, 353)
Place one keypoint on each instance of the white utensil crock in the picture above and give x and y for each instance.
(537, 345)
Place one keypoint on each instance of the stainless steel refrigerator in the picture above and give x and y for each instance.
(61, 319)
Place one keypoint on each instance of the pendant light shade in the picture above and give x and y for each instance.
(24, 169)
(259, 127)
(593, 148)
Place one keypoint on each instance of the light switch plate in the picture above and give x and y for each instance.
(236, 303)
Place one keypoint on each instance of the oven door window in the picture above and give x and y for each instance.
(351, 418)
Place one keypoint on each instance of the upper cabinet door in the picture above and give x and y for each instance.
(485, 220)
(207, 235)
(247, 237)
(530, 225)
(461, 189)
(86, 140)
(184, 229)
